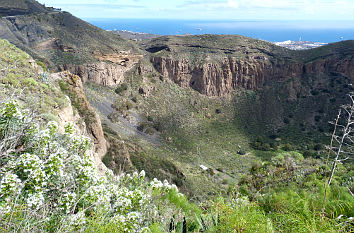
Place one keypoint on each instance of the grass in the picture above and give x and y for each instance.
(18, 77)
(218, 132)
(201, 132)
(198, 130)
(198, 140)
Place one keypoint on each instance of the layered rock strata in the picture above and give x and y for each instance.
(220, 78)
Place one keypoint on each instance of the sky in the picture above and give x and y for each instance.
(209, 9)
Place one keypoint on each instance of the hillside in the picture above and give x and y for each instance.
(198, 46)
(49, 179)
(287, 82)
(175, 103)
(59, 39)
(24, 79)
(21, 7)
(238, 125)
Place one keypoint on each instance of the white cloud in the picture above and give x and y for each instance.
(233, 4)
(214, 9)
(310, 8)
(276, 4)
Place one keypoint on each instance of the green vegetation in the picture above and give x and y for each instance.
(241, 167)
(216, 47)
(35, 177)
(52, 184)
(78, 101)
(121, 88)
(19, 78)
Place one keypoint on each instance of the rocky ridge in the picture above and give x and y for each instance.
(217, 76)
(214, 65)
(13, 7)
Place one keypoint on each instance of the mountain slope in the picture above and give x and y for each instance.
(60, 39)
(21, 7)
(22, 79)
(180, 103)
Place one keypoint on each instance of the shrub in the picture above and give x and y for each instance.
(317, 118)
(274, 145)
(287, 147)
(315, 92)
(286, 120)
(30, 82)
(41, 64)
(241, 152)
(318, 147)
(49, 182)
(135, 99)
(129, 105)
(261, 146)
(150, 131)
(123, 87)
(308, 153)
(10, 79)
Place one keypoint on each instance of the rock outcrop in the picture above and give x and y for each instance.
(109, 71)
(72, 86)
(220, 78)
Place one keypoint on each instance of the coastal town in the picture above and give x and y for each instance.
(299, 45)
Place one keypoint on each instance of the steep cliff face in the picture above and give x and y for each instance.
(22, 79)
(220, 78)
(109, 71)
(343, 66)
(72, 86)
(217, 68)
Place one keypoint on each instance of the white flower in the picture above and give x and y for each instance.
(10, 185)
(142, 173)
(77, 219)
(53, 127)
(35, 200)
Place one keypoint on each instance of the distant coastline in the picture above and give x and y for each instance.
(273, 31)
(293, 45)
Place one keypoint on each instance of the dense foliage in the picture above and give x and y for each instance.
(49, 183)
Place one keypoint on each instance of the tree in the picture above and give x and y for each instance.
(342, 142)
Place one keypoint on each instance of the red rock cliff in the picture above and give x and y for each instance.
(219, 78)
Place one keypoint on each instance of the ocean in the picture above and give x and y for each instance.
(273, 31)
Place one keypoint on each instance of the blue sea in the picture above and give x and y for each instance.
(273, 31)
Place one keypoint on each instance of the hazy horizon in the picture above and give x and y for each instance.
(269, 30)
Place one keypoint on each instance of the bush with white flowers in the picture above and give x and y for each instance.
(49, 179)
